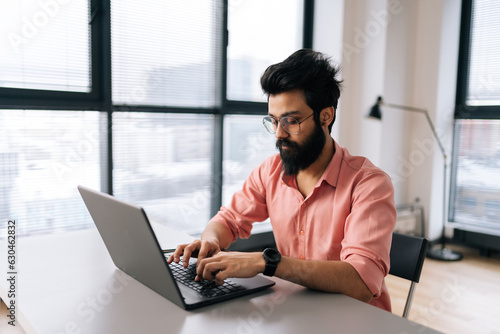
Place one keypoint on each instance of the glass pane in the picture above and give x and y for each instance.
(476, 188)
(163, 163)
(163, 52)
(46, 45)
(246, 145)
(44, 155)
(484, 75)
(261, 33)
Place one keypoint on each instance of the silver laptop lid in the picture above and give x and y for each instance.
(131, 242)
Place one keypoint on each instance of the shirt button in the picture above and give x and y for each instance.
(302, 257)
(303, 205)
(302, 232)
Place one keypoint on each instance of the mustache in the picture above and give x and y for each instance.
(286, 142)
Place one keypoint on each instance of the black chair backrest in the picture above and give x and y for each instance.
(407, 256)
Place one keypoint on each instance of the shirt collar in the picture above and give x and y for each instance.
(331, 173)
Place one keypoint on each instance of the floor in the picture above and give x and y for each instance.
(454, 297)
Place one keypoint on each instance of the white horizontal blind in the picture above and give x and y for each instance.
(44, 155)
(261, 33)
(246, 145)
(484, 75)
(45, 45)
(163, 162)
(476, 193)
(164, 52)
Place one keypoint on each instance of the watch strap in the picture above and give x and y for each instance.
(270, 269)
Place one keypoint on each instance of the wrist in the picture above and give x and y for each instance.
(211, 238)
(272, 258)
(218, 233)
(260, 262)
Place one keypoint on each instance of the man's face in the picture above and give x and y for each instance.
(297, 151)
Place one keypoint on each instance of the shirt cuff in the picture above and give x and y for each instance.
(370, 272)
(236, 230)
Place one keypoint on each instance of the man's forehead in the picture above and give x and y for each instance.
(291, 103)
(285, 113)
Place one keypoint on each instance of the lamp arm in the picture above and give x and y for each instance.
(443, 253)
(423, 111)
(435, 135)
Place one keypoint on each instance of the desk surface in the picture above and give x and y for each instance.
(67, 283)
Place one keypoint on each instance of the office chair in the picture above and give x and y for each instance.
(407, 259)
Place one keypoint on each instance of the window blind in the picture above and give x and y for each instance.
(164, 52)
(484, 64)
(163, 162)
(44, 155)
(45, 45)
(261, 33)
(246, 145)
(476, 191)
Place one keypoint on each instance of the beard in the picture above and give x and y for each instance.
(298, 157)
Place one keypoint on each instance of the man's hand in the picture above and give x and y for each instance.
(198, 248)
(230, 264)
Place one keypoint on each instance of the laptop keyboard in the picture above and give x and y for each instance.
(206, 288)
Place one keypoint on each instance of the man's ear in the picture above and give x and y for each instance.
(326, 115)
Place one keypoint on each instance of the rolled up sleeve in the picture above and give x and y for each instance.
(368, 229)
(247, 206)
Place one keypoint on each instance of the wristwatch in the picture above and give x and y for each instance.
(272, 258)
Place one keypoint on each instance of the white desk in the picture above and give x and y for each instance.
(68, 284)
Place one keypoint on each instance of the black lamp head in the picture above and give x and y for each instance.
(375, 111)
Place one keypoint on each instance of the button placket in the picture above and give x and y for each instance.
(302, 232)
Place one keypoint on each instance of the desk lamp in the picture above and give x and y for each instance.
(439, 253)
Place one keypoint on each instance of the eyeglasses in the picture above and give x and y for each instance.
(288, 123)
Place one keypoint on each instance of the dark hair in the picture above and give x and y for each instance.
(309, 71)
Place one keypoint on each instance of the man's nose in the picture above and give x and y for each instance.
(280, 132)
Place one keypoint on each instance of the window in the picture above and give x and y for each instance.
(492, 208)
(476, 182)
(475, 189)
(162, 162)
(151, 101)
(164, 52)
(246, 144)
(255, 26)
(45, 45)
(44, 155)
(483, 87)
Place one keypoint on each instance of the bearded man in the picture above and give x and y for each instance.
(332, 213)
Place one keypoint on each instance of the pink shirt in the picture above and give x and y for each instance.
(349, 216)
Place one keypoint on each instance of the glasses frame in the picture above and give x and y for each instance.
(269, 118)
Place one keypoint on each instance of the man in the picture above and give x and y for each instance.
(332, 213)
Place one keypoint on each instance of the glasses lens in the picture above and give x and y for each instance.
(269, 124)
(290, 124)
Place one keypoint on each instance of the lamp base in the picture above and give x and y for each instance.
(444, 254)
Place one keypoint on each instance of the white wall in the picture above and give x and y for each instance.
(398, 88)
(363, 73)
(406, 51)
(328, 28)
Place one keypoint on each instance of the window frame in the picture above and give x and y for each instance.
(462, 110)
(25, 98)
(100, 96)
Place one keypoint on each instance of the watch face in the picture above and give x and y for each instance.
(273, 255)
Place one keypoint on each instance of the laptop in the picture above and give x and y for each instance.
(134, 249)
